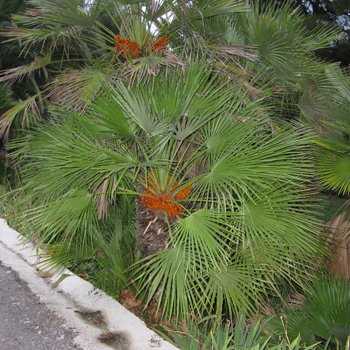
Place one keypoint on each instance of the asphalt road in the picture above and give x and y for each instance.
(25, 323)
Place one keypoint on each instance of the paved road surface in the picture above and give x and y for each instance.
(25, 323)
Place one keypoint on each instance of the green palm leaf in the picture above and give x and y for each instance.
(334, 170)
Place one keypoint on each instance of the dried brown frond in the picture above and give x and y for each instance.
(65, 91)
(75, 89)
(339, 237)
(244, 51)
(48, 37)
(10, 32)
(144, 68)
(296, 299)
(18, 73)
(30, 113)
(36, 13)
(101, 200)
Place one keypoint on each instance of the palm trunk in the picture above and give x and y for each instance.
(151, 228)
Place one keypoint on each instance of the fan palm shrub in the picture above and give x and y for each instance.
(223, 201)
(184, 118)
(322, 315)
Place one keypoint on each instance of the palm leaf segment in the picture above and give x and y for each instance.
(243, 219)
(332, 156)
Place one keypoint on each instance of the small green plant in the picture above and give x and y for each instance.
(208, 336)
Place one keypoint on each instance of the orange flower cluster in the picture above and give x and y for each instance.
(164, 201)
(128, 47)
(159, 44)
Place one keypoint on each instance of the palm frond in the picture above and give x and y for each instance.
(284, 43)
(321, 316)
(75, 89)
(334, 170)
(215, 8)
(245, 51)
(29, 110)
(18, 74)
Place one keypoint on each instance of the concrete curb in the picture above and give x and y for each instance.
(78, 294)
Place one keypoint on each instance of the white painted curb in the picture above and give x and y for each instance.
(77, 294)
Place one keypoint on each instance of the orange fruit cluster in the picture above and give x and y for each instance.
(132, 49)
(159, 44)
(161, 202)
(164, 201)
(128, 47)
